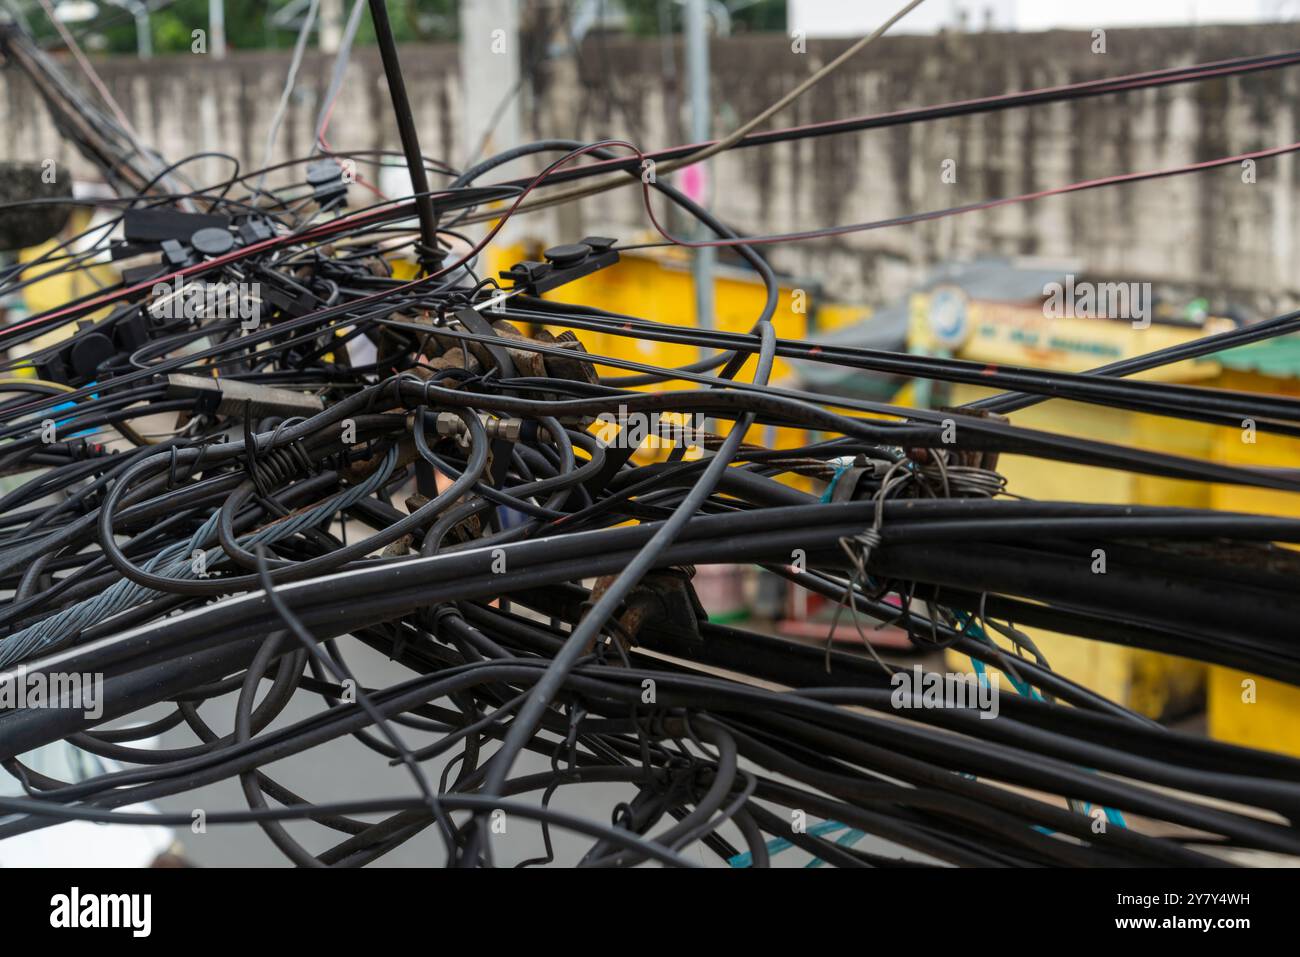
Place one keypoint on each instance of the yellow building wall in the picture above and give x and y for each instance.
(1247, 709)
(51, 287)
(1146, 681)
(657, 285)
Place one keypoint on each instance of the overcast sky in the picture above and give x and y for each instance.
(854, 17)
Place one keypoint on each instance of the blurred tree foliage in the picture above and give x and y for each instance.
(645, 17)
(249, 23)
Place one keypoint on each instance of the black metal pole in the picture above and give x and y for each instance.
(429, 254)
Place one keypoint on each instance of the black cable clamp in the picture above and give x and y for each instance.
(563, 264)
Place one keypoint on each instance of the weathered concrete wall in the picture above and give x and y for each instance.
(188, 104)
(1208, 231)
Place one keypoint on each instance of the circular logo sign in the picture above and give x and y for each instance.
(949, 316)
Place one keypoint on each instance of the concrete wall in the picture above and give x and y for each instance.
(1209, 231)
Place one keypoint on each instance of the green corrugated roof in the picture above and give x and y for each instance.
(1274, 357)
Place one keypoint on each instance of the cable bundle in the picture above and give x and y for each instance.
(188, 474)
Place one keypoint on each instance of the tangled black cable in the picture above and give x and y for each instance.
(187, 488)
